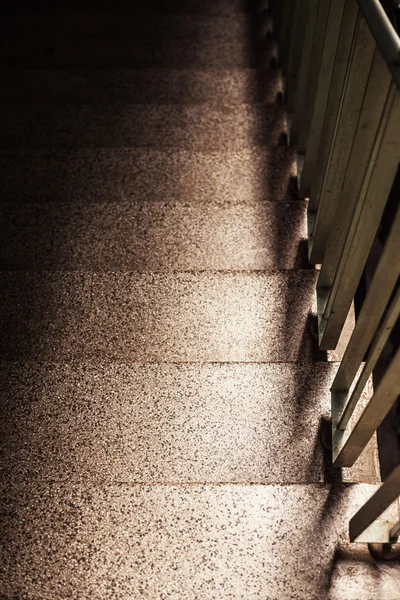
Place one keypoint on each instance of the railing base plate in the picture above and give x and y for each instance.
(384, 551)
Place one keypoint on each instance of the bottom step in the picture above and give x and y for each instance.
(189, 541)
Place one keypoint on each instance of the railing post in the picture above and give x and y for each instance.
(314, 141)
(348, 445)
(380, 340)
(308, 79)
(331, 111)
(302, 79)
(375, 506)
(379, 293)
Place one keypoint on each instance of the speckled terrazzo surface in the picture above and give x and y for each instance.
(200, 316)
(158, 86)
(138, 174)
(161, 422)
(176, 26)
(225, 51)
(195, 542)
(165, 40)
(153, 236)
(142, 125)
(198, 7)
(161, 393)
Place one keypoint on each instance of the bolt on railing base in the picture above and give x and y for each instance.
(384, 551)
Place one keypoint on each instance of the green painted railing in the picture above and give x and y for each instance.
(341, 65)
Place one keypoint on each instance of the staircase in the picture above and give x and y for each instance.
(162, 393)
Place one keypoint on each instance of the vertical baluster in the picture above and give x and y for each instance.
(375, 506)
(342, 57)
(330, 43)
(302, 78)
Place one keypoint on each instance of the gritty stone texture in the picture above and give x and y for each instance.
(142, 125)
(193, 542)
(168, 423)
(135, 86)
(234, 28)
(212, 7)
(226, 51)
(145, 174)
(152, 236)
(144, 396)
(204, 316)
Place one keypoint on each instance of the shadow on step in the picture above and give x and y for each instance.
(356, 559)
(281, 161)
(96, 6)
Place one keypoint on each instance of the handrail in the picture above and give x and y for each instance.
(345, 124)
(382, 29)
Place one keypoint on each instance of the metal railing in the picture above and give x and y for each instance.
(341, 66)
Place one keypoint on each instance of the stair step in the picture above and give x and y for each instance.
(165, 423)
(185, 541)
(144, 174)
(228, 50)
(199, 316)
(152, 236)
(138, 174)
(141, 125)
(133, 26)
(135, 6)
(139, 86)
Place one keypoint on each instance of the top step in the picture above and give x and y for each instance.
(135, 6)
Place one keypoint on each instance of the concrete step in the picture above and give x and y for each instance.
(165, 423)
(188, 541)
(197, 316)
(152, 236)
(138, 26)
(139, 86)
(135, 6)
(141, 125)
(227, 50)
(144, 174)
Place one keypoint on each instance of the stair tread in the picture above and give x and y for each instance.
(169, 423)
(141, 125)
(136, 6)
(199, 316)
(157, 85)
(225, 50)
(130, 25)
(145, 174)
(237, 542)
(152, 236)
